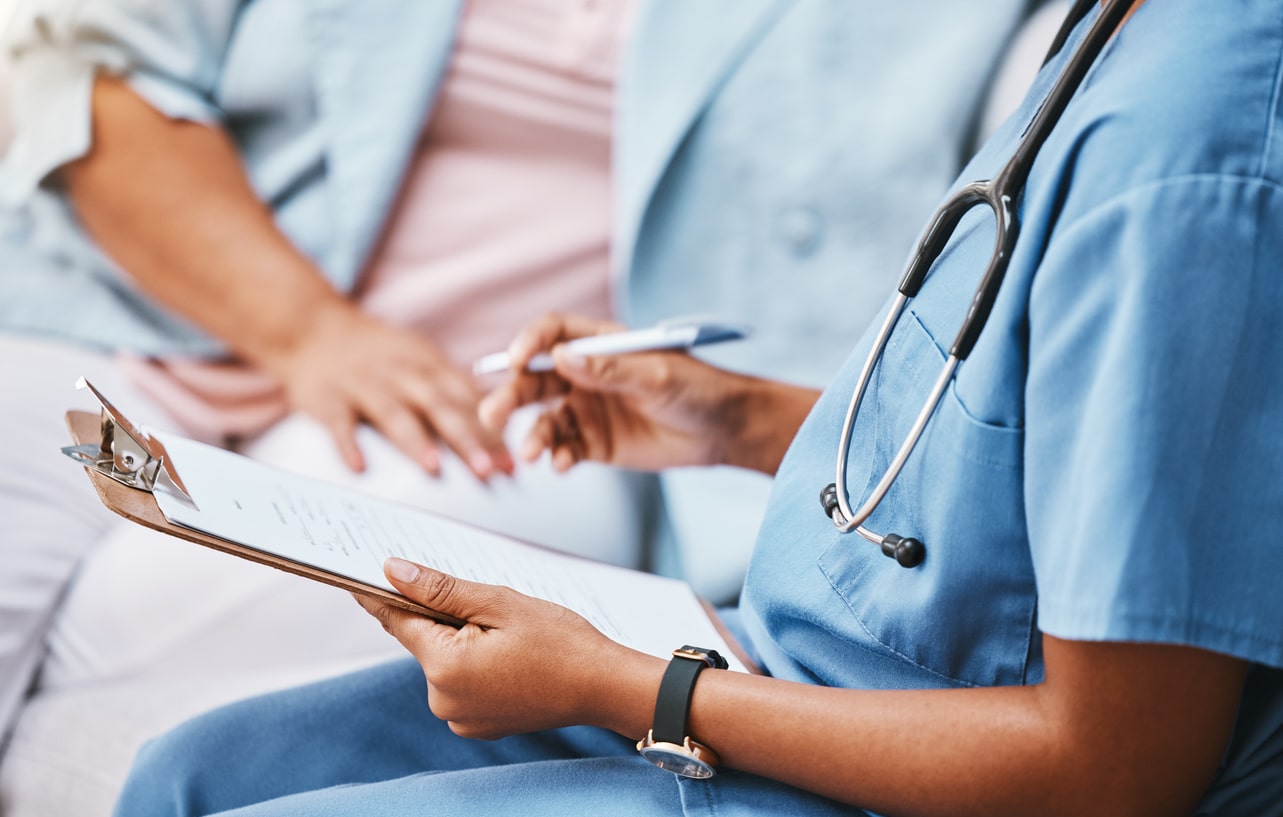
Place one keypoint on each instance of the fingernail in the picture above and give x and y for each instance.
(430, 461)
(516, 349)
(530, 450)
(401, 570)
(562, 461)
(481, 462)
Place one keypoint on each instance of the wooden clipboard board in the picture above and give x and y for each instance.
(139, 506)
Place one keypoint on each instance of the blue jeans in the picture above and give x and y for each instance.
(366, 744)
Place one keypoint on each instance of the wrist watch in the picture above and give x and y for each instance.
(668, 744)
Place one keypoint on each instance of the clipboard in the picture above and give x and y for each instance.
(126, 465)
(138, 505)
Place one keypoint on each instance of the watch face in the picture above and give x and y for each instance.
(677, 759)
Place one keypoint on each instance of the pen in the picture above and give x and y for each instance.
(679, 334)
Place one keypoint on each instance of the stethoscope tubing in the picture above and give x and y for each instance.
(1001, 195)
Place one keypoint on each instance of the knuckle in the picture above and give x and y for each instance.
(661, 376)
(459, 390)
(502, 599)
(383, 614)
(406, 428)
(436, 588)
(567, 618)
(332, 414)
(427, 392)
(381, 406)
(604, 367)
(459, 426)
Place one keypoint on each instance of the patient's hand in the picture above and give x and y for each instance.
(351, 368)
(520, 664)
(647, 411)
(170, 201)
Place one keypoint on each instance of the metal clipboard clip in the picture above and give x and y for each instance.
(128, 454)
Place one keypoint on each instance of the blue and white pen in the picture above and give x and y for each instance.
(675, 334)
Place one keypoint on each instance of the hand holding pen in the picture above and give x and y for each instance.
(646, 409)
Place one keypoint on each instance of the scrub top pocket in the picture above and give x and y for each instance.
(966, 615)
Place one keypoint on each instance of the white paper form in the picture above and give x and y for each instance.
(351, 534)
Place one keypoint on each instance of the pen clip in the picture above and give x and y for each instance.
(708, 328)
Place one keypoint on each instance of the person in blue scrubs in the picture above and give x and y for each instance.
(1096, 626)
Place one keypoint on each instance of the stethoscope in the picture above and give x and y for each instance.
(1001, 195)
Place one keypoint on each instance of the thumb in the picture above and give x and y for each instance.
(472, 602)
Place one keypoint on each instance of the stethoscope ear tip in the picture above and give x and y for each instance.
(829, 499)
(908, 553)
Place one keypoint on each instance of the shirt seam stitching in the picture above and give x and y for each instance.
(1271, 119)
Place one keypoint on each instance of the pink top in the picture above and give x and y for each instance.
(504, 215)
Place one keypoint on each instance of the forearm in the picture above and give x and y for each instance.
(1138, 731)
(170, 202)
(914, 752)
(899, 752)
(762, 418)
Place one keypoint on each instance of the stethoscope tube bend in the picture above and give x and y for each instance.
(1001, 196)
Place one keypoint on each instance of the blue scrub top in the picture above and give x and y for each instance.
(1107, 464)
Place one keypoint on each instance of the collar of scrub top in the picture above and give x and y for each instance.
(1002, 196)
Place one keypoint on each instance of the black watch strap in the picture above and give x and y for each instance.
(672, 706)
